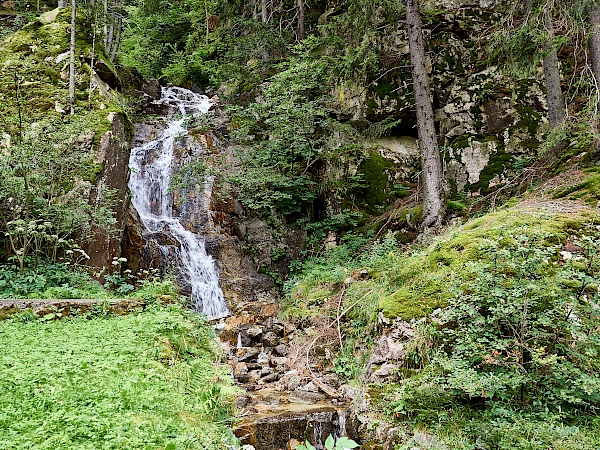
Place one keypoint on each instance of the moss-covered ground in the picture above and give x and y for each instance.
(365, 284)
(411, 282)
(142, 381)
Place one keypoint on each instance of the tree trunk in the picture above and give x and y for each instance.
(264, 11)
(117, 39)
(111, 30)
(72, 62)
(434, 206)
(594, 44)
(301, 30)
(105, 24)
(556, 105)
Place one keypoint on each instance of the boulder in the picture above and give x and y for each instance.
(270, 339)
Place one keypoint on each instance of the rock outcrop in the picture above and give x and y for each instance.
(111, 182)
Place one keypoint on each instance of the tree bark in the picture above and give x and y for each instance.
(117, 39)
(264, 11)
(301, 29)
(434, 205)
(556, 104)
(72, 62)
(594, 43)
(111, 30)
(105, 24)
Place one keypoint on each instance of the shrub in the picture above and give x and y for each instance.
(522, 331)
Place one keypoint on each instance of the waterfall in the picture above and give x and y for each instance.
(151, 170)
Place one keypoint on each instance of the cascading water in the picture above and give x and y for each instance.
(151, 171)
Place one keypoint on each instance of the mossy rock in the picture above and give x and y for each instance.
(425, 279)
(376, 193)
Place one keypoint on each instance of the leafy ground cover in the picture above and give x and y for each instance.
(505, 311)
(142, 381)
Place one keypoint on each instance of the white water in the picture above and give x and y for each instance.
(151, 169)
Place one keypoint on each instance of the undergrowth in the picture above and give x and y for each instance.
(141, 381)
(505, 310)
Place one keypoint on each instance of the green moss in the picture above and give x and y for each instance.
(376, 193)
(424, 279)
(460, 142)
(456, 206)
(408, 302)
(587, 190)
(529, 119)
(412, 214)
(497, 164)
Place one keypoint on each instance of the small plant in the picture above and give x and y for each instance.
(342, 443)
(118, 281)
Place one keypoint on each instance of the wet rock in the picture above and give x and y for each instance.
(254, 376)
(245, 378)
(273, 431)
(270, 339)
(270, 378)
(292, 380)
(246, 353)
(307, 397)
(264, 358)
(240, 369)
(245, 339)
(253, 332)
(133, 241)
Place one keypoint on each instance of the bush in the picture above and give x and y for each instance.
(48, 280)
(522, 330)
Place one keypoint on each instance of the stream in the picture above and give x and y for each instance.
(271, 418)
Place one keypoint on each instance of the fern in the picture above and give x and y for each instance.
(383, 128)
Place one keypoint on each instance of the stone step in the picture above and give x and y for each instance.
(68, 307)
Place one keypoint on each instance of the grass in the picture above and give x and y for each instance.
(587, 190)
(463, 427)
(411, 284)
(142, 381)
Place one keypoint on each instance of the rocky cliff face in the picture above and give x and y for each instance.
(112, 155)
(242, 246)
(488, 123)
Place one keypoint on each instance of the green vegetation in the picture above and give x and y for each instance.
(342, 443)
(47, 169)
(505, 314)
(503, 307)
(586, 190)
(146, 380)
